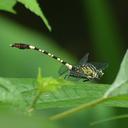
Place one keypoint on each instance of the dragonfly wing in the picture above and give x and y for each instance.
(102, 66)
(84, 59)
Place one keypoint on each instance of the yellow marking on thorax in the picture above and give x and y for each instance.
(87, 71)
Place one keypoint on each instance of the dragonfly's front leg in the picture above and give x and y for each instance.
(66, 76)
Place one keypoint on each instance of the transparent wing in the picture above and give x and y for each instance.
(84, 59)
(62, 70)
(102, 66)
(65, 71)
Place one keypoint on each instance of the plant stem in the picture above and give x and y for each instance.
(31, 108)
(76, 109)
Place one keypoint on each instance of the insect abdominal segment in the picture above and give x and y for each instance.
(26, 46)
(84, 70)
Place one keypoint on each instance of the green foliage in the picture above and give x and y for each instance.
(120, 85)
(68, 93)
(120, 97)
(32, 5)
(7, 5)
(46, 85)
(10, 119)
(49, 92)
(55, 93)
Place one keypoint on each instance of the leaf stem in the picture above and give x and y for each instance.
(32, 107)
(76, 109)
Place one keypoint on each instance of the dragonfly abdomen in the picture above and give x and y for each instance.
(26, 46)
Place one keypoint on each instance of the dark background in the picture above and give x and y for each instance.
(70, 23)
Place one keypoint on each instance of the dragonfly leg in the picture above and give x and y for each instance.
(66, 76)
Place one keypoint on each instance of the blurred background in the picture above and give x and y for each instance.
(98, 27)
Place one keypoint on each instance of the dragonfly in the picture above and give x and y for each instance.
(85, 70)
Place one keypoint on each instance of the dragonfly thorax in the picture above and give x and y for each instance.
(86, 71)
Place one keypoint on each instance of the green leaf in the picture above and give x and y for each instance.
(7, 5)
(33, 6)
(115, 95)
(120, 85)
(48, 92)
(22, 91)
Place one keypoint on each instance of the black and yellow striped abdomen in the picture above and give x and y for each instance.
(26, 46)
